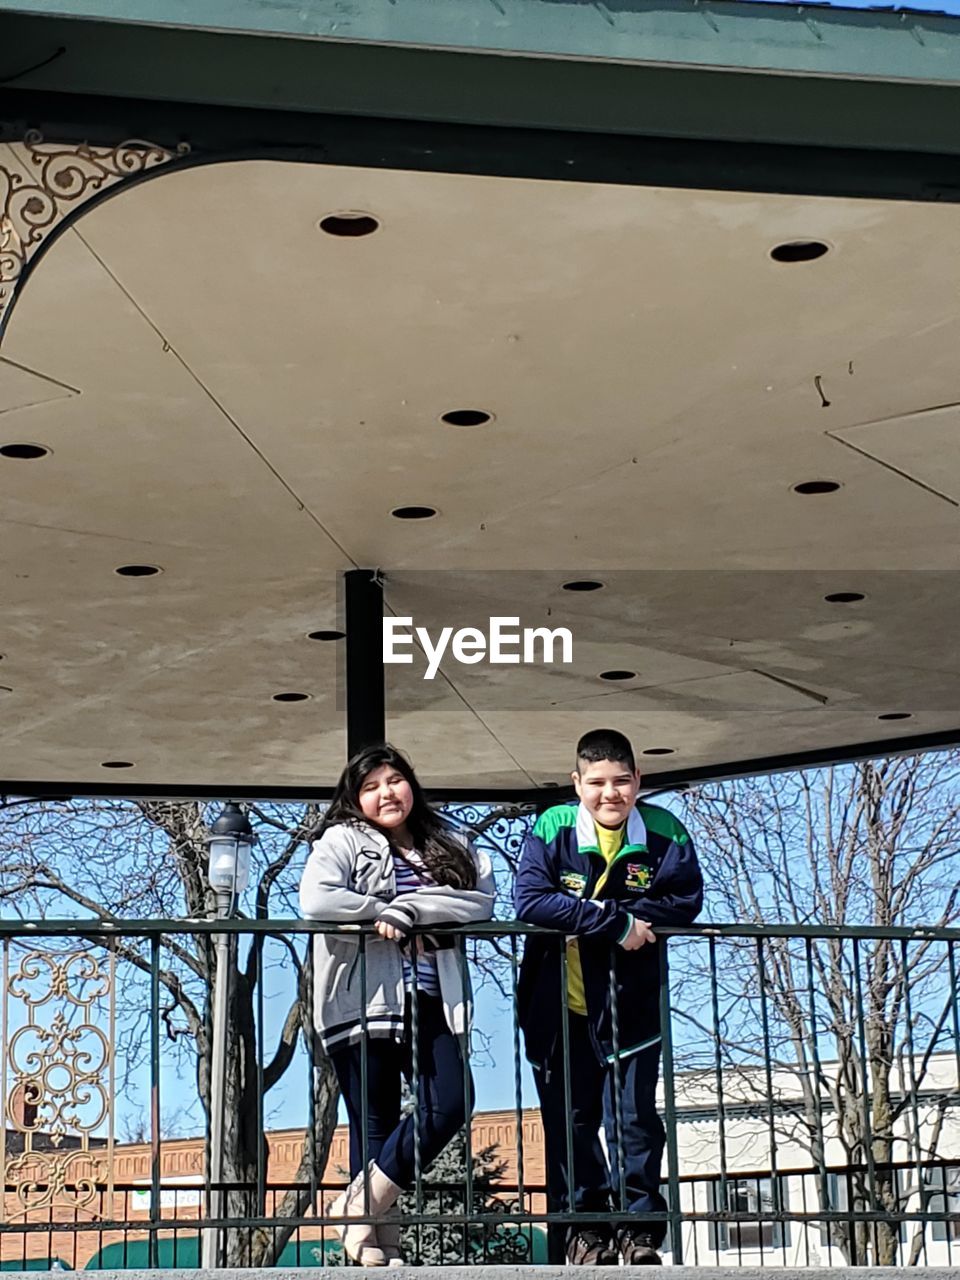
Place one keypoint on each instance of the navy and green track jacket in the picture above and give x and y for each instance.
(655, 877)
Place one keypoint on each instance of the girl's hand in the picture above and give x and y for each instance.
(391, 932)
(388, 931)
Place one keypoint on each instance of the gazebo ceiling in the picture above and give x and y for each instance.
(230, 394)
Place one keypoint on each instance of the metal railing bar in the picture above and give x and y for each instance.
(364, 1073)
(673, 1158)
(914, 1100)
(617, 1083)
(23, 928)
(467, 1088)
(865, 1086)
(567, 1083)
(312, 1077)
(415, 1084)
(153, 1254)
(509, 1216)
(258, 944)
(518, 1073)
(768, 1072)
(718, 1067)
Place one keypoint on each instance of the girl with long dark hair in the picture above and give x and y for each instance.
(385, 858)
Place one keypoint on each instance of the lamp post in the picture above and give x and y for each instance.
(228, 872)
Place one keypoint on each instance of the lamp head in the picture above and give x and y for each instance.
(229, 844)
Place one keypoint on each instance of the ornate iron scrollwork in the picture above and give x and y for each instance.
(499, 828)
(59, 180)
(56, 1080)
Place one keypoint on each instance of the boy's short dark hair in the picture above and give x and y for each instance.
(606, 744)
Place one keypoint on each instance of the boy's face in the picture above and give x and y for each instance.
(608, 789)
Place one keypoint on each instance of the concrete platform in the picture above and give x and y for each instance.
(524, 1273)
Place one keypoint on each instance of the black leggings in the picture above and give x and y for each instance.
(441, 1110)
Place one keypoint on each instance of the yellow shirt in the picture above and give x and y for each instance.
(610, 842)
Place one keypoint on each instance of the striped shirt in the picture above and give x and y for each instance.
(410, 875)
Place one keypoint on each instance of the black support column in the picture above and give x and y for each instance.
(366, 702)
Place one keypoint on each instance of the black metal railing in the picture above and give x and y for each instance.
(810, 1089)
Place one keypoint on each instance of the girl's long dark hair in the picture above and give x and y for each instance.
(447, 861)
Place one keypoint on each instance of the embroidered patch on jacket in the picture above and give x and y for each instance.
(575, 881)
(638, 876)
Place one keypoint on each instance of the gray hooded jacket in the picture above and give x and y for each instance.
(349, 880)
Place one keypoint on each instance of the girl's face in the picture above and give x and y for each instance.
(386, 797)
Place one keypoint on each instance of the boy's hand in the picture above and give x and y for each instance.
(640, 934)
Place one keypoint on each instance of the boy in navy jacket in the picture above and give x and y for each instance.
(605, 872)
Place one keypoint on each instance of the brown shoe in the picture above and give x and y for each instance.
(638, 1249)
(590, 1247)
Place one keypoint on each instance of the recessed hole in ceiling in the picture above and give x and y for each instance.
(291, 697)
(583, 584)
(413, 513)
(23, 451)
(138, 570)
(896, 715)
(816, 486)
(799, 251)
(117, 764)
(466, 417)
(326, 635)
(617, 675)
(349, 224)
(549, 784)
(844, 597)
(658, 751)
